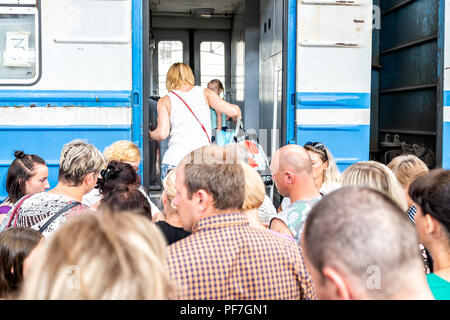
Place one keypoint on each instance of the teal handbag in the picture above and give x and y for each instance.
(226, 137)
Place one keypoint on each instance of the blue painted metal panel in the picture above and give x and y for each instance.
(138, 79)
(447, 98)
(332, 100)
(291, 69)
(348, 144)
(62, 98)
(446, 146)
(48, 142)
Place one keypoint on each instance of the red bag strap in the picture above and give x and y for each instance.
(15, 213)
(203, 127)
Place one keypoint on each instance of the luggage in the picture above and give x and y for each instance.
(257, 158)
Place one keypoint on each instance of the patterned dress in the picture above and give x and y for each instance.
(39, 208)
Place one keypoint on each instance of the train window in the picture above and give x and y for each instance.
(212, 62)
(19, 45)
(169, 52)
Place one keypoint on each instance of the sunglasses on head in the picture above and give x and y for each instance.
(318, 146)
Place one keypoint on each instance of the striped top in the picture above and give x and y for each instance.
(225, 258)
(412, 213)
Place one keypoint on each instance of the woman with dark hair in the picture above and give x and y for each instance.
(117, 173)
(431, 194)
(27, 174)
(126, 198)
(16, 244)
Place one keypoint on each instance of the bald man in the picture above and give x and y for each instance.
(292, 173)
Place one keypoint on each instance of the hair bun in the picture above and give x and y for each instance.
(19, 154)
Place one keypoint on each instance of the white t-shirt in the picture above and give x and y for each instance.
(186, 134)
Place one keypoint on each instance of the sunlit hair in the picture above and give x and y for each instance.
(123, 151)
(178, 75)
(332, 175)
(79, 158)
(378, 176)
(101, 256)
(407, 168)
(254, 188)
(169, 187)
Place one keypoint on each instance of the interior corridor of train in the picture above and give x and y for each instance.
(219, 40)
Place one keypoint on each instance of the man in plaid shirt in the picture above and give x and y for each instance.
(225, 258)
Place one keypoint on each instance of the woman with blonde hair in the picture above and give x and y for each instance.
(378, 176)
(184, 113)
(171, 227)
(257, 205)
(101, 256)
(325, 172)
(407, 168)
(79, 166)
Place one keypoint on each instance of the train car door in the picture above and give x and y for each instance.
(333, 77)
(206, 52)
(167, 47)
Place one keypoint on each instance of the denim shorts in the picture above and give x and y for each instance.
(165, 168)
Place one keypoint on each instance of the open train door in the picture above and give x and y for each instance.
(333, 76)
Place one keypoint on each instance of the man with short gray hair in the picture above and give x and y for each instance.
(359, 244)
(224, 257)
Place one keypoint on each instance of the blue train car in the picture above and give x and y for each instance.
(351, 74)
(69, 69)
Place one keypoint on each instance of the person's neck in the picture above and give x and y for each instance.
(215, 212)
(253, 219)
(303, 192)
(318, 182)
(441, 259)
(173, 219)
(75, 193)
(185, 88)
(414, 294)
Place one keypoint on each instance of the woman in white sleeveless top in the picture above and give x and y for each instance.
(184, 113)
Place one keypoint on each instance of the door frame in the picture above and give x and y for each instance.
(168, 35)
(206, 35)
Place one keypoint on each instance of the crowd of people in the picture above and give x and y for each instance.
(373, 232)
(358, 241)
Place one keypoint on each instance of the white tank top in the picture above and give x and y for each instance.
(186, 134)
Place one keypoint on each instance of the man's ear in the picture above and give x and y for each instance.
(289, 177)
(203, 200)
(336, 285)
